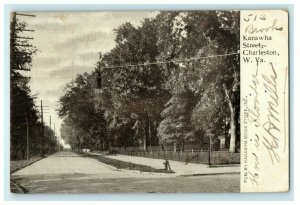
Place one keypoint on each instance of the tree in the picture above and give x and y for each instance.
(186, 35)
(193, 70)
(176, 126)
(83, 124)
(209, 114)
(134, 90)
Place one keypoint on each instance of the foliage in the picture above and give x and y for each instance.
(133, 90)
(210, 112)
(201, 35)
(190, 94)
(176, 126)
(83, 125)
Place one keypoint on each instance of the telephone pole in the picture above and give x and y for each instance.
(50, 121)
(42, 107)
(209, 151)
(17, 56)
(43, 136)
(27, 141)
(57, 139)
(20, 52)
(42, 115)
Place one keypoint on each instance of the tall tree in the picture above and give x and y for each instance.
(83, 124)
(132, 90)
(206, 36)
(176, 126)
(137, 89)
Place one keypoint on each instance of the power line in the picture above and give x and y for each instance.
(172, 61)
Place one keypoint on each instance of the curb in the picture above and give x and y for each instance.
(106, 165)
(175, 174)
(208, 174)
(115, 168)
(19, 187)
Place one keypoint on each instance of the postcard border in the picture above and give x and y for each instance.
(287, 196)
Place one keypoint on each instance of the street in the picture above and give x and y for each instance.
(67, 172)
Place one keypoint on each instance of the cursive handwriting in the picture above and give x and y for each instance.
(256, 161)
(270, 140)
(254, 114)
(253, 178)
(256, 141)
(251, 29)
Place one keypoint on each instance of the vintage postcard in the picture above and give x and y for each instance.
(149, 101)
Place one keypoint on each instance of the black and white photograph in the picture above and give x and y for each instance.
(125, 102)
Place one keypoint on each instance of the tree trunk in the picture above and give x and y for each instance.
(145, 136)
(233, 123)
(150, 133)
(233, 129)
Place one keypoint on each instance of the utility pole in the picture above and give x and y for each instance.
(27, 141)
(16, 55)
(55, 136)
(50, 121)
(43, 107)
(42, 117)
(43, 136)
(209, 151)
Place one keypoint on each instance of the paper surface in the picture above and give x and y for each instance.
(167, 102)
(264, 101)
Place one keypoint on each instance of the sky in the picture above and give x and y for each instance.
(68, 44)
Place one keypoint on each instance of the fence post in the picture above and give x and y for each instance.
(197, 158)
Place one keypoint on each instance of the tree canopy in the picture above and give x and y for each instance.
(175, 75)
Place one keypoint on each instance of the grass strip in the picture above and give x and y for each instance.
(126, 165)
(20, 164)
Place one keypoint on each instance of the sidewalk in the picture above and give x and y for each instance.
(180, 168)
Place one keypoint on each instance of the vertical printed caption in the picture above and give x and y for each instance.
(264, 101)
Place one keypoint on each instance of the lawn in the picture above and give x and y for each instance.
(125, 165)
